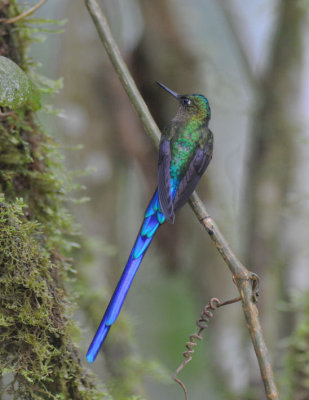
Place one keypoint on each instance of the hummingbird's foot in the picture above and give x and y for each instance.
(255, 282)
(205, 217)
(206, 221)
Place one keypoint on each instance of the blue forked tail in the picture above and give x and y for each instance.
(153, 219)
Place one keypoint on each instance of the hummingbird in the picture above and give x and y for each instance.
(185, 151)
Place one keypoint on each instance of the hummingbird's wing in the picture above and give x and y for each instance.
(164, 180)
(196, 169)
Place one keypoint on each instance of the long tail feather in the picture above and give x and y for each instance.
(153, 219)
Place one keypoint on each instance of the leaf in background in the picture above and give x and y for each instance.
(16, 89)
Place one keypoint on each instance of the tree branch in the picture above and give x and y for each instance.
(241, 276)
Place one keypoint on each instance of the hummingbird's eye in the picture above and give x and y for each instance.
(186, 101)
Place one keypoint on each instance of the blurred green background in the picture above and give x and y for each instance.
(251, 60)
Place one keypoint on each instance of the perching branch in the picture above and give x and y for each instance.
(241, 276)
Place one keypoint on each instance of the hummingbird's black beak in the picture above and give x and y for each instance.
(174, 94)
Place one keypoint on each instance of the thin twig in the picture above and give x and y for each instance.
(6, 114)
(123, 72)
(24, 14)
(241, 276)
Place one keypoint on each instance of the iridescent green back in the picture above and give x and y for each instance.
(188, 131)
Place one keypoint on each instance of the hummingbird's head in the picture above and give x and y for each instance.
(191, 105)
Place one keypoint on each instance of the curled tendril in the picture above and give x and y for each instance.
(202, 324)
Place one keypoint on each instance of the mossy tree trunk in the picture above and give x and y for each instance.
(38, 359)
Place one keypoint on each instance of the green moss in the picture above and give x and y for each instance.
(296, 379)
(38, 359)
